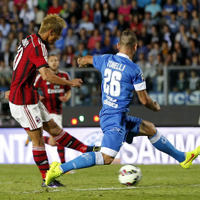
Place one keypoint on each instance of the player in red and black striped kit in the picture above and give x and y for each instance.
(52, 97)
(24, 102)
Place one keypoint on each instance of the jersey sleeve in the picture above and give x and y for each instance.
(38, 56)
(139, 81)
(98, 61)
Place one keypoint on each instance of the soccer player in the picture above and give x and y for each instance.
(52, 97)
(24, 102)
(120, 76)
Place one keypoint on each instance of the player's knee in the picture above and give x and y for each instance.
(148, 128)
(107, 159)
(52, 128)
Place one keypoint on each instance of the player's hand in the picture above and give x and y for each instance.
(41, 97)
(7, 94)
(64, 98)
(157, 106)
(77, 82)
(80, 64)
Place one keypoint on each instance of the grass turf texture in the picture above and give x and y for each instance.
(101, 182)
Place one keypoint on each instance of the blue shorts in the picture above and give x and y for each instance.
(117, 128)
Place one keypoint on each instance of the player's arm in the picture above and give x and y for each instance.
(146, 100)
(84, 61)
(47, 75)
(66, 97)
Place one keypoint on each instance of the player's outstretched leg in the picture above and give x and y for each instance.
(162, 144)
(190, 156)
(85, 160)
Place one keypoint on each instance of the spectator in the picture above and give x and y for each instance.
(142, 48)
(164, 48)
(146, 37)
(82, 36)
(148, 21)
(155, 50)
(4, 27)
(154, 8)
(158, 80)
(96, 37)
(105, 11)
(182, 36)
(195, 22)
(169, 8)
(135, 24)
(55, 8)
(112, 22)
(65, 12)
(125, 10)
(193, 81)
(19, 4)
(185, 20)
(87, 25)
(181, 54)
(141, 61)
(81, 51)
(71, 38)
(173, 23)
(155, 35)
(43, 5)
(26, 15)
(150, 72)
(88, 11)
(167, 36)
(69, 55)
(115, 4)
(97, 13)
(122, 25)
(195, 61)
(97, 50)
(181, 83)
(74, 25)
(75, 10)
(39, 16)
(134, 8)
(193, 48)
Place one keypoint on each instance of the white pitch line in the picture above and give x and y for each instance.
(105, 189)
(135, 187)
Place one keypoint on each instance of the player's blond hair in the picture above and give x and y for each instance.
(128, 39)
(54, 22)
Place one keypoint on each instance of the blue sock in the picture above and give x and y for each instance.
(161, 143)
(83, 161)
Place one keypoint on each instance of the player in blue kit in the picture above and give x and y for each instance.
(120, 76)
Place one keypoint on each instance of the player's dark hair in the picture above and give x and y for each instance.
(128, 38)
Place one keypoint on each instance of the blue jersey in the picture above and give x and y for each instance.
(120, 76)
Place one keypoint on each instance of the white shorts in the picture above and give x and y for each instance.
(57, 118)
(30, 117)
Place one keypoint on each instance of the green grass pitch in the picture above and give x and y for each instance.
(168, 182)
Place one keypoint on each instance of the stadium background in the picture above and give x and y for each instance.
(168, 53)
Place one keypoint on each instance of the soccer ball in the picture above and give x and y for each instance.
(129, 175)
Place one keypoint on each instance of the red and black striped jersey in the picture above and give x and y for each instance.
(51, 92)
(31, 56)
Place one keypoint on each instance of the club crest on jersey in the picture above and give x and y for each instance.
(142, 76)
(37, 119)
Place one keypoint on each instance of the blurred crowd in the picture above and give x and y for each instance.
(168, 34)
